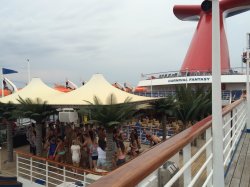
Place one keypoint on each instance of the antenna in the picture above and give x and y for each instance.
(247, 53)
(28, 67)
(248, 41)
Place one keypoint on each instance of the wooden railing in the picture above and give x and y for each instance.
(141, 168)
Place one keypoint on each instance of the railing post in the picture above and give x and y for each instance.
(64, 175)
(0, 159)
(186, 158)
(84, 181)
(17, 169)
(31, 168)
(208, 153)
(246, 112)
(227, 129)
(217, 129)
(47, 173)
(233, 128)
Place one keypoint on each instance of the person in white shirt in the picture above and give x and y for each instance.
(76, 153)
(101, 149)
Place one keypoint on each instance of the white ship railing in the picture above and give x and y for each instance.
(34, 170)
(192, 72)
(229, 95)
(194, 148)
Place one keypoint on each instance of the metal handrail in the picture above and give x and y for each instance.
(38, 169)
(22, 153)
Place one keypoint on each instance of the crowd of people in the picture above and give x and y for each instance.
(85, 146)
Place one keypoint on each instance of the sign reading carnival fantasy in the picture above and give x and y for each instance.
(200, 79)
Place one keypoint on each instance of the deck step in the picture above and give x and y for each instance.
(9, 182)
(2, 178)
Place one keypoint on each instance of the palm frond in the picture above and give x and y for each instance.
(193, 104)
(37, 110)
(112, 113)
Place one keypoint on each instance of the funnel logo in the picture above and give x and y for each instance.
(199, 54)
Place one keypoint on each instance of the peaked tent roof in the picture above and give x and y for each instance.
(99, 87)
(35, 89)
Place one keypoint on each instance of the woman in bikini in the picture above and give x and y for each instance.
(88, 144)
(121, 155)
(94, 154)
(133, 144)
(60, 150)
(52, 148)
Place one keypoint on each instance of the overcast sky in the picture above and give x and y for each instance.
(119, 38)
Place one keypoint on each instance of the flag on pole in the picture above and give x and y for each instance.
(8, 71)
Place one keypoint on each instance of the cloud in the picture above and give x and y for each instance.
(120, 39)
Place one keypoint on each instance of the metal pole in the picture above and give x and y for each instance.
(218, 168)
(186, 157)
(28, 64)
(242, 64)
(186, 76)
(47, 173)
(0, 160)
(248, 41)
(248, 96)
(247, 86)
(2, 83)
(151, 88)
(17, 165)
(208, 153)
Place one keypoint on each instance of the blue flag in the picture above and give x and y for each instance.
(8, 71)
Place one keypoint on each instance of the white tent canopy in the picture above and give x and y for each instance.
(96, 86)
(35, 89)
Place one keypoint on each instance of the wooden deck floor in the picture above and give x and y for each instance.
(239, 172)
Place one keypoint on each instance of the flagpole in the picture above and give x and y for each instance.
(151, 87)
(28, 61)
(2, 82)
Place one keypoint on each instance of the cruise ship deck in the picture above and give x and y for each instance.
(185, 159)
(239, 172)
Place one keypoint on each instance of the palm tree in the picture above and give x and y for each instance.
(37, 110)
(109, 116)
(8, 114)
(164, 107)
(192, 105)
(205, 108)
